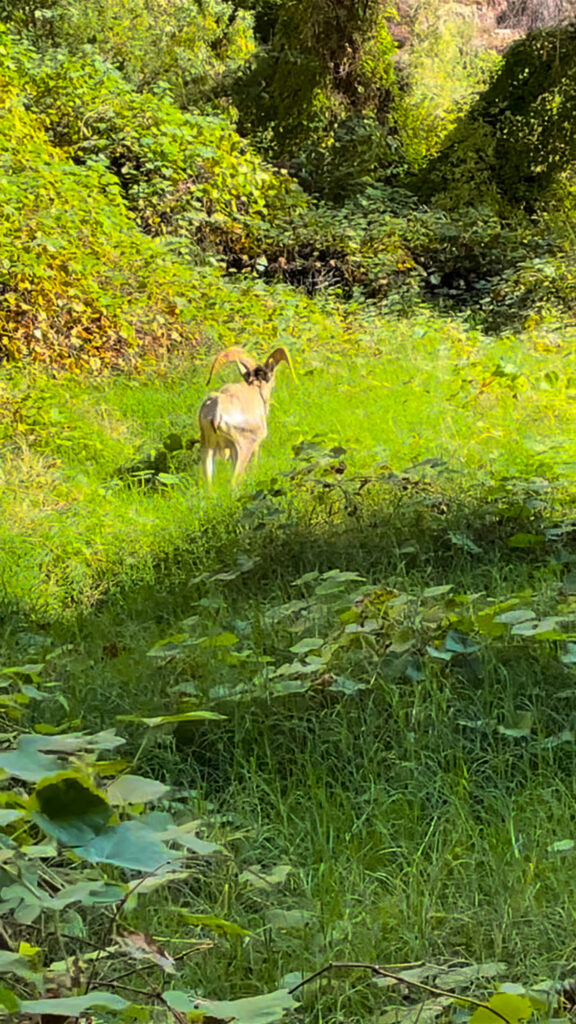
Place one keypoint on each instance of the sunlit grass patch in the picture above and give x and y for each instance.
(402, 393)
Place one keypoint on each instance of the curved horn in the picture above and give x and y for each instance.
(280, 355)
(231, 355)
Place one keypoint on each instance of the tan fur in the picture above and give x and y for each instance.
(234, 420)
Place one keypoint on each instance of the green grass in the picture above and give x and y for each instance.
(415, 827)
(400, 394)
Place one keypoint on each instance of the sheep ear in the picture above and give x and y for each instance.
(279, 355)
(232, 355)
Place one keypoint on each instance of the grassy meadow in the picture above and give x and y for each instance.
(384, 612)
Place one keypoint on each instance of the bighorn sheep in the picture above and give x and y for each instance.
(234, 420)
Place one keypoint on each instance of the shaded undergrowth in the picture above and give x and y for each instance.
(415, 777)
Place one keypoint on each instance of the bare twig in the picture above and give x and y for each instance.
(382, 973)
(200, 948)
(179, 1017)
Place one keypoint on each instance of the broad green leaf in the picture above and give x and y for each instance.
(519, 724)
(464, 976)
(308, 643)
(160, 878)
(525, 540)
(295, 668)
(8, 815)
(569, 656)
(23, 670)
(185, 716)
(9, 1000)
(417, 1013)
(513, 1007)
(262, 878)
(28, 902)
(79, 742)
(185, 836)
(220, 640)
(516, 616)
(413, 974)
(257, 1010)
(336, 583)
(170, 647)
(70, 810)
(561, 846)
(460, 540)
(73, 1006)
(129, 845)
(15, 963)
(460, 643)
(308, 577)
(289, 919)
(37, 756)
(544, 995)
(27, 762)
(368, 626)
(438, 653)
(544, 629)
(135, 789)
(214, 924)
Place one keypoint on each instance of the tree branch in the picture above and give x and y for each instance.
(382, 973)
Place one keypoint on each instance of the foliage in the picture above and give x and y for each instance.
(444, 71)
(514, 141)
(68, 819)
(80, 285)
(181, 46)
(182, 174)
(318, 93)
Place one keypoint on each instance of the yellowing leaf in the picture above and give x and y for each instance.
(25, 949)
(513, 1007)
(137, 944)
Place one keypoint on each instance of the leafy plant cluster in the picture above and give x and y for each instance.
(116, 887)
(178, 47)
(158, 138)
(80, 284)
(182, 174)
(317, 94)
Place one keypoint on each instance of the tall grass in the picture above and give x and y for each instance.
(418, 806)
(399, 395)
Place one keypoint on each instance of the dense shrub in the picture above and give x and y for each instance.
(518, 137)
(79, 283)
(317, 94)
(184, 174)
(439, 77)
(182, 44)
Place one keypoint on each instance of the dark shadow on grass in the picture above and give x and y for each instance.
(399, 532)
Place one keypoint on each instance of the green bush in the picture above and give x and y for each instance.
(183, 174)
(79, 283)
(182, 44)
(318, 91)
(443, 73)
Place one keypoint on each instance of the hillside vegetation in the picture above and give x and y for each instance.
(327, 718)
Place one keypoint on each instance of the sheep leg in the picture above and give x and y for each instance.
(241, 458)
(208, 465)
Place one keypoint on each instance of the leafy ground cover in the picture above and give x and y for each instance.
(89, 477)
(383, 614)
